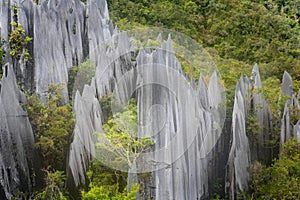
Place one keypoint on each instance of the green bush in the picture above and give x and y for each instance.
(54, 188)
(18, 41)
(55, 183)
(107, 184)
(100, 193)
(282, 179)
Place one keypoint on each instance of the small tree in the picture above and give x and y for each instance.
(121, 132)
(53, 124)
(119, 147)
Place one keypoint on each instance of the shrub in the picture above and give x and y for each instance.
(282, 179)
(18, 41)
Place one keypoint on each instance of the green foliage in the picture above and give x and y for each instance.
(72, 76)
(54, 189)
(100, 175)
(14, 9)
(240, 32)
(282, 179)
(107, 183)
(182, 16)
(286, 8)
(253, 127)
(18, 42)
(109, 105)
(121, 131)
(294, 114)
(100, 193)
(53, 124)
(217, 197)
(96, 193)
(230, 71)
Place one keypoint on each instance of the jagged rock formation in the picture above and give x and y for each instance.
(289, 129)
(88, 121)
(17, 158)
(260, 149)
(87, 105)
(246, 148)
(239, 157)
(63, 32)
(181, 143)
(179, 161)
(184, 140)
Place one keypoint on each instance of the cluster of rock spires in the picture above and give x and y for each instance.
(244, 151)
(63, 32)
(184, 119)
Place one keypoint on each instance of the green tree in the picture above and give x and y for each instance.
(120, 145)
(121, 130)
(282, 179)
(53, 123)
(107, 184)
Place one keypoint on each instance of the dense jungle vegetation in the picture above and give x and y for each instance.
(237, 34)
